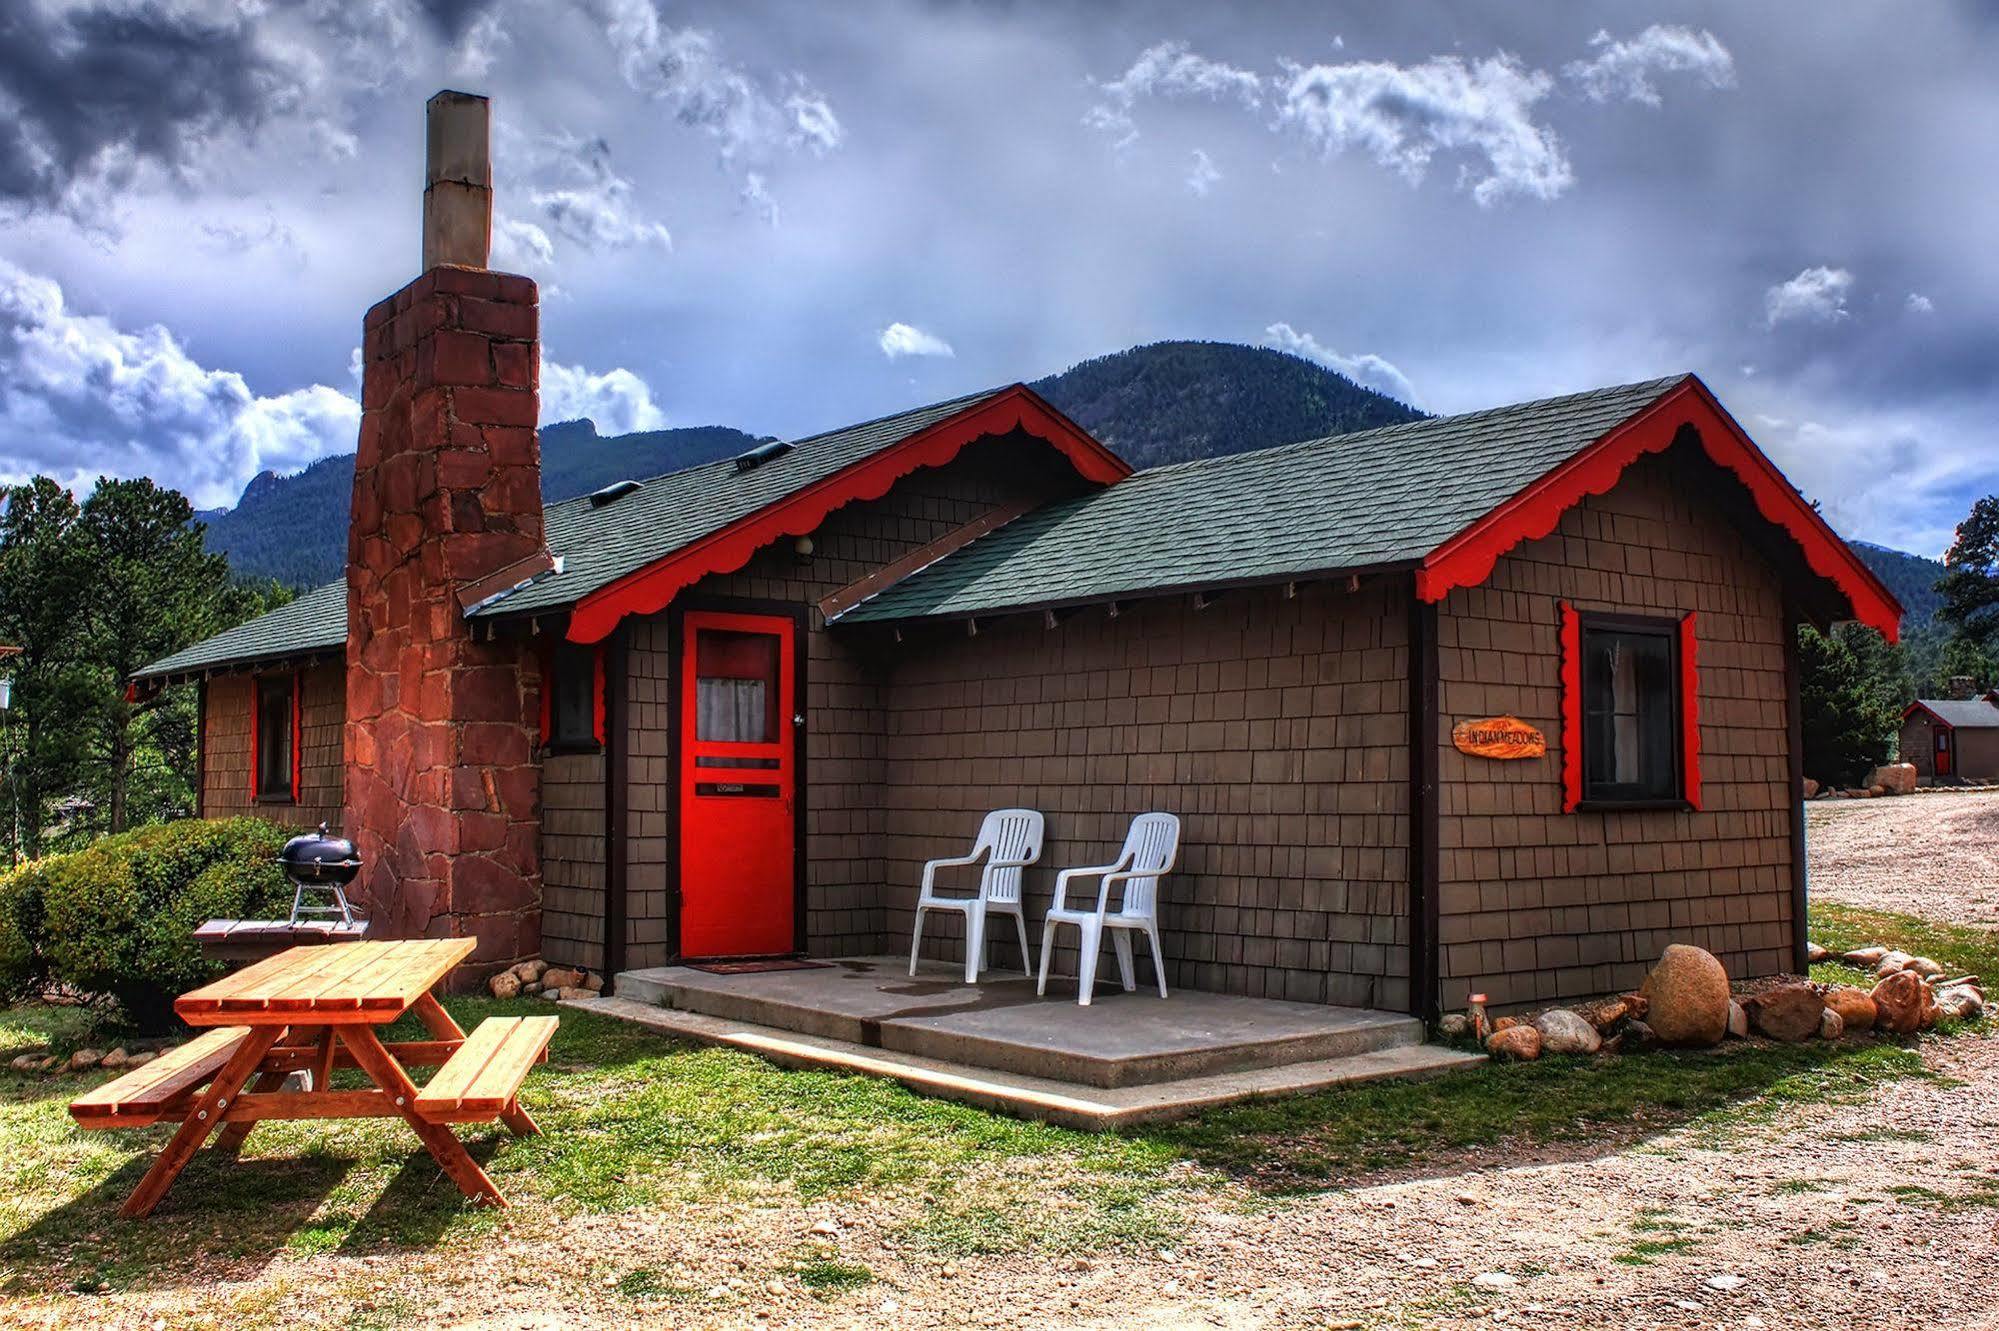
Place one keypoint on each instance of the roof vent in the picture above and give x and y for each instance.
(612, 493)
(761, 454)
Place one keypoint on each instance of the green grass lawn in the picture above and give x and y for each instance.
(633, 1121)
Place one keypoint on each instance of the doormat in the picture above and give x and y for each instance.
(757, 967)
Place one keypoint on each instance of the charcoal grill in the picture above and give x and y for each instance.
(320, 867)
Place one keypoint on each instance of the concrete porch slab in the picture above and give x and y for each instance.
(1088, 1108)
(1120, 1040)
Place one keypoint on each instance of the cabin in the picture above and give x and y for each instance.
(1952, 740)
(1500, 702)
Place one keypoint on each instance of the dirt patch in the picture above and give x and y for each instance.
(1935, 855)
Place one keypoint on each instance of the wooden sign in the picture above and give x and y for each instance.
(1499, 737)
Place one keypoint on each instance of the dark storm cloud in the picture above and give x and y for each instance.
(453, 18)
(91, 94)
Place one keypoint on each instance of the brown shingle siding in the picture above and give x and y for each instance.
(226, 757)
(1537, 905)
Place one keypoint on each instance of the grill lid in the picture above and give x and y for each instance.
(319, 848)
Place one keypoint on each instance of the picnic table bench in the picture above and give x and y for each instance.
(314, 1010)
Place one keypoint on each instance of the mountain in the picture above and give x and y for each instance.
(1912, 578)
(1172, 401)
(1166, 402)
(294, 528)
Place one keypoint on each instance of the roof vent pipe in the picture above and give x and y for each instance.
(762, 453)
(612, 493)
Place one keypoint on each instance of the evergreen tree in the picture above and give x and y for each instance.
(1850, 695)
(1970, 584)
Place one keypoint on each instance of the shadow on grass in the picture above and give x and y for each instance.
(1581, 1108)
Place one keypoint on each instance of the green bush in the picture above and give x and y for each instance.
(117, 918)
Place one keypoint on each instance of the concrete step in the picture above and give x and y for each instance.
(1120, 1039)
(1089, 1108)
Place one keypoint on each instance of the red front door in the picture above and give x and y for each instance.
(738, 785)
(1943, 753)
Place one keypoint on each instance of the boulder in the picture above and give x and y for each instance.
(1788, 1012)
(1891, 962)
(85, 1059)
(1636, 1037)
(1506, 1024)
(1855, 1008)
(1865, 958)
(1605, 1013)
(1923, 966)
(117, 1058)
(1899, 1001)
(557, 977)
(594, 983)
(1564, 1032)
(1893, 779)
(1960, 1002)
(1831, 1025)
(1688, 996)
(527, 972)
(1454, 1026)
(1811, 788)
(26, 1062)
(505, 985)
(141, 1059)
(1738, 1020)
(569, 991)
(1814, 954)
(1522, 1043)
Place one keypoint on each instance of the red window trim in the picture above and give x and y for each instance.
(1467, 559)
(648, 590)
(1690, 715)
(1572, 709)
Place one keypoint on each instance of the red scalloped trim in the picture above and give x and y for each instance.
(648, 590)
(1467, 559)
(1572, 708)
(298, 733)
(1690, 714)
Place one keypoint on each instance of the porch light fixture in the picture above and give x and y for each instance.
(803, 547)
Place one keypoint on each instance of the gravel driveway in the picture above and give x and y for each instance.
(1933, 854)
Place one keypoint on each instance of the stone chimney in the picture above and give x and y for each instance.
(1962, 688)
(442, 790)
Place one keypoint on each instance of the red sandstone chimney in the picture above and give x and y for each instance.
(442, 790)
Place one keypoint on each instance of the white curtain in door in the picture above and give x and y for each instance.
(732, 711)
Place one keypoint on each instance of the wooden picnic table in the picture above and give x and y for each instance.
(312, 1010)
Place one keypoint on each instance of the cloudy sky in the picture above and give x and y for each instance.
(787, 217)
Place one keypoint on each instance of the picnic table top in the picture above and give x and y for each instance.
(373, 982)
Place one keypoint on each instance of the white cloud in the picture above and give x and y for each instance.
(748, 118)
(80, 397)
(1405, 116)
(618, 401)
(756, 196)
(1920, 304)
(901, 339)
(1168, 69)
(1366, 369)
(1625, 68)
(1816, 294)
(1202, 176)
(577, 197)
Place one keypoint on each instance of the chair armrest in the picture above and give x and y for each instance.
(931, 867)
(1095, 871)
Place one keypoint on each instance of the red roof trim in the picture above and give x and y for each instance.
(648, 590)
(1467, 558)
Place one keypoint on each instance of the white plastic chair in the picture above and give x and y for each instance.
(1009, 840)
(1150, 849)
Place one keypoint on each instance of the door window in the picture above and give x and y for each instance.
(735, 687)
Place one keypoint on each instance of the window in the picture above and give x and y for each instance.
(274, 736)
(1630, 733)
(575, 683)
(735, 687)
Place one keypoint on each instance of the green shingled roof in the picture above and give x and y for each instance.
(601, 545)
(596, 545)
(1364, 500)
(315, 622)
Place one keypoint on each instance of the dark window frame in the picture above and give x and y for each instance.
(1599, 794)
(287, 792)
(575, 682)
